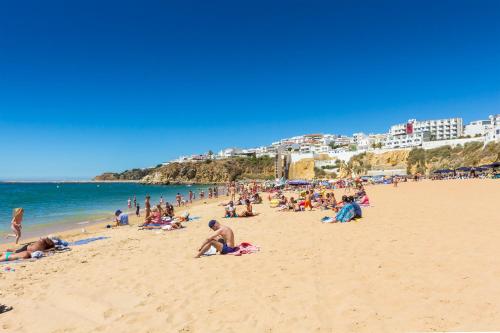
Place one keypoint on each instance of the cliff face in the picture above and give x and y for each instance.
(134, 174)
(414, 161)
(303, 169)
(360, 164)
(212, 171)
(446, 157)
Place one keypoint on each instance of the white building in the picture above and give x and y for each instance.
(441, 129)
(477, 128)
(230, 152)
(343, 140)
(493, 133)
(405, 140)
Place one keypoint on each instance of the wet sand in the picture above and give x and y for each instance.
(423, 258)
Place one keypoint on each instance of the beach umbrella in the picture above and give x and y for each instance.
(443, 171)
(298, 182)
(464, 169)
(492, 165)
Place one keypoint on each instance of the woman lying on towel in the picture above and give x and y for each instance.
(26, 251)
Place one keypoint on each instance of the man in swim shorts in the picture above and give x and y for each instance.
(222, 239)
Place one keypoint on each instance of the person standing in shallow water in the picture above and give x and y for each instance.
(147, 205)
(15, 224)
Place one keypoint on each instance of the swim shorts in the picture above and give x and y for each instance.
(227, 249)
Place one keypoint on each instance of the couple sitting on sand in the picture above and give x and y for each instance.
(350, 210)
(27, 251)
(230, 210)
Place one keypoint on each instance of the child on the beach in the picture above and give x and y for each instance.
(137, 210)
(15, 225)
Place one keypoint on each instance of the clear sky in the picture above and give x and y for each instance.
(92, 86)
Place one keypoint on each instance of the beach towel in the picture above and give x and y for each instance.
(211, 251)
(245, 248)
(86, 241)
(346, 214)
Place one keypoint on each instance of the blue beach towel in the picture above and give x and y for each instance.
(86, 241)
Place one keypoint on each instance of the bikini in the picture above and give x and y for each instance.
(7, 255)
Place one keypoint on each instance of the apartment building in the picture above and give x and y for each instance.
(440, 129)
(477, 128)
(493, 133)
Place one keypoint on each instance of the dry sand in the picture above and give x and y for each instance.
(424, 257)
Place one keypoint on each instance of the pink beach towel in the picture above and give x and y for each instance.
(245, 248)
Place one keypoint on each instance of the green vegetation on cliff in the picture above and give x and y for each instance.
(134, 174)
(471, 154)
(210, 171)
(213, 171)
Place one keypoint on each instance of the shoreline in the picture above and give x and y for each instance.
(65, 181)
(75, 229)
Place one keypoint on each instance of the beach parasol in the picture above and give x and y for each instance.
(298, 182)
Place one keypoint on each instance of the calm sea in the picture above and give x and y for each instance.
(71, 203)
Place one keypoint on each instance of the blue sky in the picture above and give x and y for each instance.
(93, 86)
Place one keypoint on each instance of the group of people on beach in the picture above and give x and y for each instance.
(162, 215)
(317, 197)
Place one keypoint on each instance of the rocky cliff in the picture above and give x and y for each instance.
(134, 174)
(362, 163)
(414, 161)
(212, 171)
(470, 155)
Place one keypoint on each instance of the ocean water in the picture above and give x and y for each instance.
(72, 203)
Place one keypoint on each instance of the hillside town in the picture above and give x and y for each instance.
(426, 134)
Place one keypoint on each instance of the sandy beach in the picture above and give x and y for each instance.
(423, 258)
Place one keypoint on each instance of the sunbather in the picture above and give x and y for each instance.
(248, 212)
(222, 239)
(24, 252)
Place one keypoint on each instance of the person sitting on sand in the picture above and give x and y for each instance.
(121, 218)
(155, 216)
(307, 201)
(24, 252)
(364, 200)
(169, 210)
(222, 239)
(15, 224)
(248, 212)
(293, 205)
(357, 208)
(230, 210)
(256, 198)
